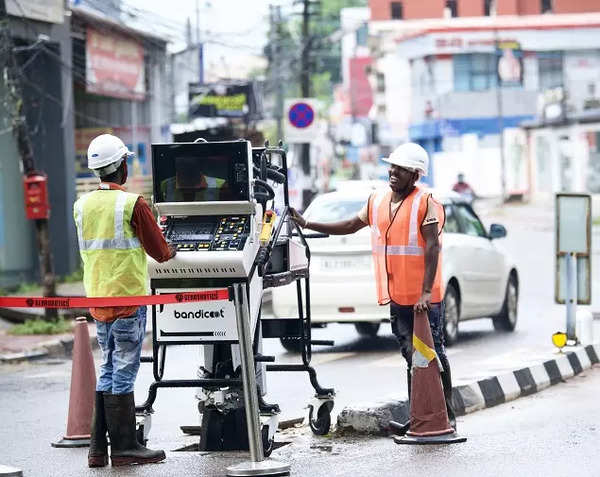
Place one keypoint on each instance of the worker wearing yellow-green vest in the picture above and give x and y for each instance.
(115, 230)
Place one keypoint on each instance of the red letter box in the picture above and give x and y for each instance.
(36, 197)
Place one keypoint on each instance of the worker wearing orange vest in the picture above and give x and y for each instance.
(406, 225)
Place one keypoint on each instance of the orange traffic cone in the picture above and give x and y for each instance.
(83, 390)
(428, 417)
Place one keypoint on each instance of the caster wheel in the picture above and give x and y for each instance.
(267, 443)
(321, 425)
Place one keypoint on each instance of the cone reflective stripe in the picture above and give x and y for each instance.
(83, 390)
(428, 416)
(423, 354)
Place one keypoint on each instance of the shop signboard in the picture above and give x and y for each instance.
(51, 11)
(510, 63)
(114, 65)
(225, 99)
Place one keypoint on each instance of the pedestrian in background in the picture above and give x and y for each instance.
(464, 188)
(406, 224)
(115, 230)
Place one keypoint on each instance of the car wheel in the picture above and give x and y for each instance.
(367, 329)
(451, 314)
(293, 345)
(506, 320)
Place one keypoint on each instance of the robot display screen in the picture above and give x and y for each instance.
(200, 172)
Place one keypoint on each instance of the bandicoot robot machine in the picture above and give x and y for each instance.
(211, 199)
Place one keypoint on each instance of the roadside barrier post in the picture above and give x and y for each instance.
(257, 465)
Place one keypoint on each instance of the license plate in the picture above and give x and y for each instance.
(346, 263)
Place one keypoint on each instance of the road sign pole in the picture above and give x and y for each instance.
(571, 298)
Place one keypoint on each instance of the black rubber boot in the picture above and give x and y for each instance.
(396, 427)
(124, 447)
(98, 453)
(447, 385)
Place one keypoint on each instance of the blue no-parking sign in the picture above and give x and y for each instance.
(301, 120)
(301, 115)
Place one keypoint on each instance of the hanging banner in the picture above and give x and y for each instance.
(225, 100)
(114, 65)
(510, 64)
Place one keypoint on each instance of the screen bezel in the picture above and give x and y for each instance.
(240, 152)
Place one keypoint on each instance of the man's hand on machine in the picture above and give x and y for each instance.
(297, 217)
(173, 250)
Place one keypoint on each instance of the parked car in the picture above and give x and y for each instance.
(480, 279)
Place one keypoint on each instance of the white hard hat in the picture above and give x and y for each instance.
(106, 153)
(411, 156)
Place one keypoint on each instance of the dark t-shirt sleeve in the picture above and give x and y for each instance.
(148, 231)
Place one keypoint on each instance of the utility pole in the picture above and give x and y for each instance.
(305, 76)
(276, 80)
(14, 104)
(199, 45)
(500, 112)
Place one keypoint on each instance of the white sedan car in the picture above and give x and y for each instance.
(480, 279)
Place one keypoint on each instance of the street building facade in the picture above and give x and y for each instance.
(83, 72)
(42, 47)
(475, 71)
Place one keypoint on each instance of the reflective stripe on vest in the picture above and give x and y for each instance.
(119, 242)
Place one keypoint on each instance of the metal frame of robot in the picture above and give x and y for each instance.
(299, 328)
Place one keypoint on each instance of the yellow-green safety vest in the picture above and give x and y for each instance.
(114, 262)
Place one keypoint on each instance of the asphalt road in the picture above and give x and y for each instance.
(552, 433)
(536, 440)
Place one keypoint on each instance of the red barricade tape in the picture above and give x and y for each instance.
(99, 302)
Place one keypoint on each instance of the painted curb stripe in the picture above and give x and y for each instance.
(471, 397)
(574, 361)
(457, 402)
(492, 392)
(526, 382)
(565, 367)
(540, 376)
(583, 358)
(589, 349)
(510, 386)
(553, 372)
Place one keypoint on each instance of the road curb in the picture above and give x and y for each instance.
(62, 348)
(374, 418)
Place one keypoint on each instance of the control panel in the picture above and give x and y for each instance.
(206, 233)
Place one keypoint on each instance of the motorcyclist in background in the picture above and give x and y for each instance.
(464, 189)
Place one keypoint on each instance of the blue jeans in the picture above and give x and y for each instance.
(121, 345)
(402, 326)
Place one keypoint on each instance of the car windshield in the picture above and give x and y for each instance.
(334, 209)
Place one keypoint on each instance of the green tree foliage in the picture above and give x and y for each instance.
(325, 48)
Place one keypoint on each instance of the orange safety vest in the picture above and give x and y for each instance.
(399, 247)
